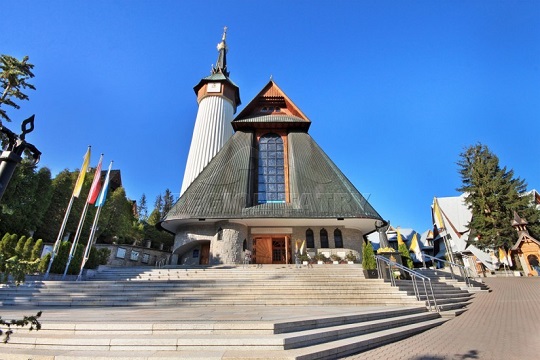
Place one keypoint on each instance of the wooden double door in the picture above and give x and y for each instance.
(271, 250)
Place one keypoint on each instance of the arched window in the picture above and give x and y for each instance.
(220, 234)
(271, 175)
(310, 240)
(324, 238)
(338, 239)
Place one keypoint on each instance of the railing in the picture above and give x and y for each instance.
(161, 262)
(463, 270)
(415, 276)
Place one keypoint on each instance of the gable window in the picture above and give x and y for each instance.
(324, 238)
(338, 239)
(271, 173)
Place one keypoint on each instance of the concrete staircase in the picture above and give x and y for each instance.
(217, 301)
(445, 276)
(332, 285)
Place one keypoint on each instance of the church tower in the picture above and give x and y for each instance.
(218, 98)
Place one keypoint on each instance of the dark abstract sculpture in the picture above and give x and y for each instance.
(12, 154)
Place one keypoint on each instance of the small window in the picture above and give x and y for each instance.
(195, 253)
(121, 253)
(134, 255)
(338, 239)
(244, 245)
(324, 238)
(145, 258)
(220, 234)
(310, 241)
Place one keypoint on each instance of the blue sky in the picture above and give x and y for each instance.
(395, 89)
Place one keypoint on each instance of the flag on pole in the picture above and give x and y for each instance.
(96, 185)
(415, 248)
(399, 238)
(82, 174)
(437, 214)
(503, 257)
(103, 195)
(303, 247)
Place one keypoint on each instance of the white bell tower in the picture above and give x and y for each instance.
(218, 98)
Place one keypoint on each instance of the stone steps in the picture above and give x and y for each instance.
(310, 338)
(397, 315)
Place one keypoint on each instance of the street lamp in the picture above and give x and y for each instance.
(12, 155)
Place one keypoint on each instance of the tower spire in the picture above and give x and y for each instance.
(221, 64)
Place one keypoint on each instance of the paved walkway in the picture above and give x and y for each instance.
(502, 324)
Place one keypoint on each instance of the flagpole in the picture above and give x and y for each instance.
(90, 243)
(76, 239)
(59, 238)
(75, 194)
(99, 203)
(73, 249)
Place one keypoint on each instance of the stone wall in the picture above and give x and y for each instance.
(228, 250)
(131, 255)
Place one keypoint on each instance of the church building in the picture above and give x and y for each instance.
(259, 182)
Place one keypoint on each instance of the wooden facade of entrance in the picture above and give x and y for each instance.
(271, 249)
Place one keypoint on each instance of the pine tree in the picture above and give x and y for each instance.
(13, 78)
(142, 209)
(168, 202)
(493, 194)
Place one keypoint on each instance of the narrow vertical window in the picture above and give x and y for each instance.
(271, 175)
(310, 241)
(338, 239)
(324, 238)
(220, 234)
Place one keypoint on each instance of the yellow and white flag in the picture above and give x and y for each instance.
(82, 174)
(415, 247)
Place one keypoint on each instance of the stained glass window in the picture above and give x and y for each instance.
(271, 176)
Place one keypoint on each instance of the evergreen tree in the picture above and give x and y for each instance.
(405, 256)
(26, 199)
(168, 202)
(116, 219)
(13, 78)
(368, 257)
(8, 244)
(142, 209)
(493, 194)
(37, 250)
(27, 249)
(19, 248)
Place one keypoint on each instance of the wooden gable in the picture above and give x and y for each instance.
(271, 100)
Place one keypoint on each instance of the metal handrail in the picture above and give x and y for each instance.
(160, 263)
(462, 269)
(414, 276)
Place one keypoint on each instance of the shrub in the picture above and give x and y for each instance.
(368, 257)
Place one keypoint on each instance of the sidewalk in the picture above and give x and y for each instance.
(502, 324)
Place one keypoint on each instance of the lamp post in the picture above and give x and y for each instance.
(12, 155)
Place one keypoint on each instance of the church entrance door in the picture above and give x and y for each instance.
(270, 250)
(205, 254)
